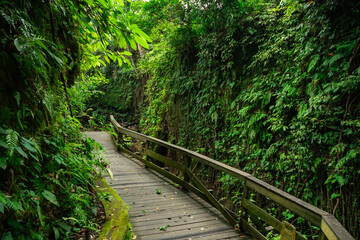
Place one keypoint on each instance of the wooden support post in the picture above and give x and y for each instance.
(322, 236)
(146, 147)
(243, 211)
(186, 175)
(288, 232)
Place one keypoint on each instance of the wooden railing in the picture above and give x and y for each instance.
(330, 227)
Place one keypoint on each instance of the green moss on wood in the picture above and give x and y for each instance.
(117, 218)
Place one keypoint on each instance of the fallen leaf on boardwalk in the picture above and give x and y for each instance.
(157, 208)
(171, 198)
(134, 237)
(202, 229)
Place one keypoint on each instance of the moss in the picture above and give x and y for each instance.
(117, 218)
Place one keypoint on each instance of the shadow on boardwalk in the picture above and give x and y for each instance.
(158, 209)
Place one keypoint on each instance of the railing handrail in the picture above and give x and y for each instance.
(331, 227)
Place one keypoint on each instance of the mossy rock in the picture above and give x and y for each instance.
(116, 224)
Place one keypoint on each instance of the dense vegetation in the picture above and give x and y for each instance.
(49, 65)
(270, 87)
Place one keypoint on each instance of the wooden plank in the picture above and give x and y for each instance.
(258, 224)
(302, 208)
(174, 214)
(186, 233)
(175, 219)
(165, 160)
(160, 209)
(230, 234)
(179, 224)
(251, 230)
(333, 229)
(185, 212)
(294, 204)
(262, 214)
(169, 212)
(174, 228)
(167, 174)
(211, 198)
(211, 162)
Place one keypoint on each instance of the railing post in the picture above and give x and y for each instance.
(146, 145)
(187, 166)
(322, 236)
(244, 214)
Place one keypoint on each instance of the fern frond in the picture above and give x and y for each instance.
(12, 140)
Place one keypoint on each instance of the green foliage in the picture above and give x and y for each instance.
(266, 87)
(56, 174)
(47, 169)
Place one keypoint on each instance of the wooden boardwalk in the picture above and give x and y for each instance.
(158, 209)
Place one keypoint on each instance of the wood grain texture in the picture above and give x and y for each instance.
(155, 203)
(328, 224)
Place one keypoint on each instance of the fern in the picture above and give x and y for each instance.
(12, 140)
(10, 203)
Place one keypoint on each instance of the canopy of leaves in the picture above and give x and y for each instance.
(50, 60)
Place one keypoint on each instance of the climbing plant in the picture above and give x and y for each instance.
(269, 87)
(50, 61)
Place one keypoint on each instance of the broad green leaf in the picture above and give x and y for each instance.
(21, 152)
(95, 23)
(40, 215)
(70, 218)
(103, 3)
(122, 40)
(7, 236)
(64, 226)
(57, 59)
(56, 233)
(14, 223)
(313, 62)
(132, 43)
(19, 45)
(141, 41)
(3, 162)
(127, 61)
(28, 145)
(302, 109)
(1, 207)
(119, 62)
(50, 197)
(107, 59)
(3, 131)
(17, 97)
(126, 53)
(86, 19)
(137, 30)
(3, 144)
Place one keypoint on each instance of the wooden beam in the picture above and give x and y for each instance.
(167, 174)
(165, 160)
(250, 229)
(211, 198)
(333, 229)
(292, 203)
(330, 226)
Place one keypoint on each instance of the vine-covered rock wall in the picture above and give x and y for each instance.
(270, 88)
